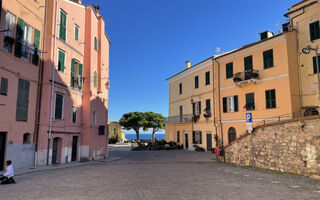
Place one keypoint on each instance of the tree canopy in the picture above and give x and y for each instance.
(155, 121)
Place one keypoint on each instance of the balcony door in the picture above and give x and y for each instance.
(248, 66)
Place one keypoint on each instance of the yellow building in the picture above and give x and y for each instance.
(190, 106)
(115, 132)
(304, 17)
(260, 78)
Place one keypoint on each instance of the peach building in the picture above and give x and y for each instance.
(21, 32)
(74, 99)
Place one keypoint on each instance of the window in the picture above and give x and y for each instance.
(315, 65)
(207, 78)
(35, 57)
(314, 30)
(229, 70)
(196, 82)
(63, 25)
(61, 60)
(197, 137)
(22, 100)
(95, 79)
(59, 106)
(76, 32)
(180, 88)
(268, 59)
(178, 137)
(94, 118)
(4, 86)
(196, 108)
(76, 74)
(102, 130)
(27, 138)
(230, 104)
(250, 101)
(248, 67)
(271, 99)
(208, 106)
(8, 35)
(74, 115)
(27, 42)
(95, 43)
(180, 113)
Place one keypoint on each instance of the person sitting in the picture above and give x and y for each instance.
(8, 175)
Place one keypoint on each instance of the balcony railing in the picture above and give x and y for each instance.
(179, 119)
(248, 76)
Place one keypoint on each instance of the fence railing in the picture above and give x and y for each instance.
(179, 119)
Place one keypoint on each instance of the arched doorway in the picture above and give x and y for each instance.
(232, 134)
(56, 150)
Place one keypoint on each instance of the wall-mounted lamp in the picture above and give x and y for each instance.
(108, 85)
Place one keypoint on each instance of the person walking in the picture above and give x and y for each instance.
(7, 177)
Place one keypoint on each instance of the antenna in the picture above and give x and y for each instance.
(218, 50)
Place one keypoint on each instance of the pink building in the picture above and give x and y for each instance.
(75, 85)
(21, 31)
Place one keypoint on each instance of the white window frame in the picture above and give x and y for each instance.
(12, 20)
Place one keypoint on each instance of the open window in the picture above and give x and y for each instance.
(76, 74)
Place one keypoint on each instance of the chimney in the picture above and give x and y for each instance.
(188, 64)
(266, 35)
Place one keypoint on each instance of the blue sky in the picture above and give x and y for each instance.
(152, 39)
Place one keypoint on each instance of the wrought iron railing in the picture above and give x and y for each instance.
(179, 119)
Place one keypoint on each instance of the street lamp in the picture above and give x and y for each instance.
(307, 50)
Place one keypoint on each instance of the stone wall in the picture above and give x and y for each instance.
(292, 147)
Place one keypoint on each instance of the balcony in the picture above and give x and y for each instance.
(247, 77)
(179, 119)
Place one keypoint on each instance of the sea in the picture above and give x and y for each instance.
(144, 136)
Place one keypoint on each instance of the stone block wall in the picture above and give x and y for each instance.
(292, 147)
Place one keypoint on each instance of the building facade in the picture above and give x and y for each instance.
(190, 120)
(115, 132)
(74, 100)
(21, 32)
(304, 17)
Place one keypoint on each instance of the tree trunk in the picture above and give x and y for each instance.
(153, 136)
(138, 136)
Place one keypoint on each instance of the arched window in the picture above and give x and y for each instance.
(232, 135)
(27, 138)
(95, 79)
(94, 118)
(95, 43)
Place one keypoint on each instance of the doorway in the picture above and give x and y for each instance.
(2, 149)
(186, 141)
(232, 135)
(74, 148)
(55, 150)
(209, 142)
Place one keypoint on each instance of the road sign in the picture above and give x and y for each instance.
(249, 117)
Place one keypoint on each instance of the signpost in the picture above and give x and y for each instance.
(249, 122)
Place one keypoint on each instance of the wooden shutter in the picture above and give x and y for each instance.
(35, 57)
(58, 107)
(80, 74)
(196, 82)
(193, 137)
(73, 61)
(225, 105)
(4, 86)
(229, 70)
(199, 107)
(208, 106)
(22, 100)
(76, 32)
(61, 61)
(62, 29)
(207, 78)
(19, 38)
(314, 30)
(315, 64)
(273, 99)
(200, 134)
(193, 108)
(236, 105)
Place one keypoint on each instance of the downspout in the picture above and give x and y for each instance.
(39, 89)
(214, 103)
(52, 82)
(219, 96)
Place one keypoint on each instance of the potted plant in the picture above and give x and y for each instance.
(254, 74)
(195, 118)
(237, 77)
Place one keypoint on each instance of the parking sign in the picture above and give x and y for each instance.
(249, 117)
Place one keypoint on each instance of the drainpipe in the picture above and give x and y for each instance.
(219, 96)
(52, 82)
(214, 103)
(39, 89)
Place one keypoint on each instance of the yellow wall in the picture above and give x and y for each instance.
(301, 21)
(115, 131)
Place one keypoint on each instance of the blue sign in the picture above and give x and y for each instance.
(249, 117)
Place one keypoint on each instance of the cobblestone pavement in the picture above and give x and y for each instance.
(176, 175)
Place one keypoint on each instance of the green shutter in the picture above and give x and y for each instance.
(193, 137)
(76, 33)
(4, 86)
(22, 100)
(58, 107)
(229, 70)
(236, 104)
(62, 29)
(200, 137)
(72, 72)
(268, 59)
(61, 60)
(315, 65)
(35, 57)
(95, 43)
(225, 106)
(273, 99)
(80, 74)
(19, 38)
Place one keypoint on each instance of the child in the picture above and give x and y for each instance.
(8, 175)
